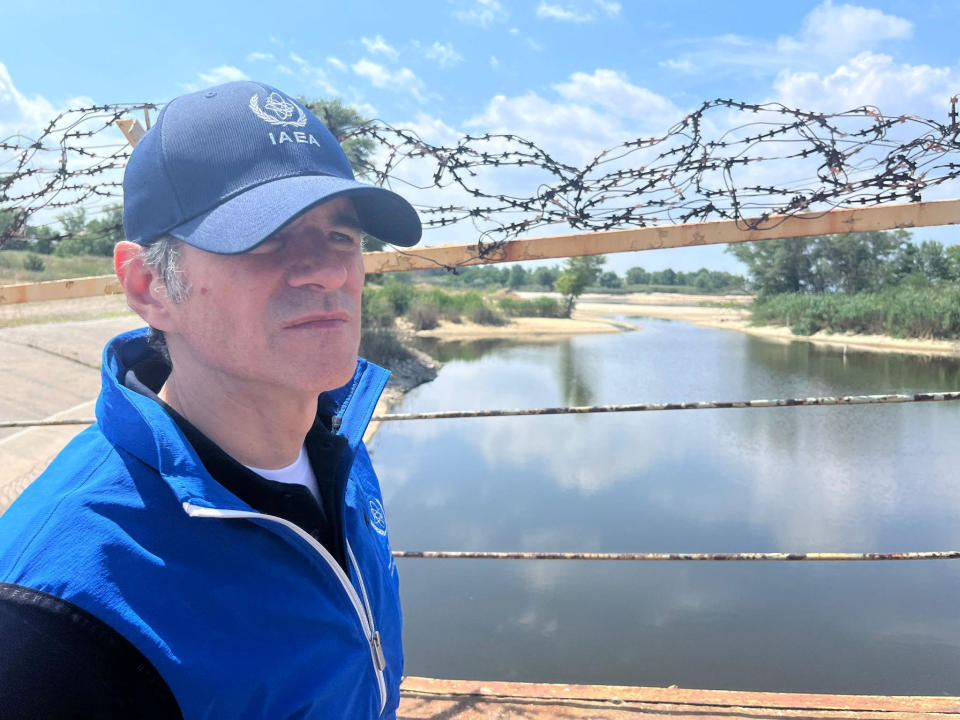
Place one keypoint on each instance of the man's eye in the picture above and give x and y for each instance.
(339, 238)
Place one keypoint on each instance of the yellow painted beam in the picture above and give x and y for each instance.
(878, 217)
(60, 289)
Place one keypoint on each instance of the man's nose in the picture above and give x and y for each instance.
(319, 266)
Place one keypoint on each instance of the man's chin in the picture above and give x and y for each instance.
(331, 379)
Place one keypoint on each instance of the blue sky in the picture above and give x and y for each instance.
(573, 75)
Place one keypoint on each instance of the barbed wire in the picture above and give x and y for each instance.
(63, 167)
(727, 160)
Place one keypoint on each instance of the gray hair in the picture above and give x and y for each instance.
(163, 256)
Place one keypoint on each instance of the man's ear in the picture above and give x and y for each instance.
(145, 289)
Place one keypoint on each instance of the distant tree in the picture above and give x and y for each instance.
(42, 238)
(703, 280)
(578, 274)
(663, 277)
(776, 266)
(94, 237)
(342, 120)
(518, 276)
(852, 262)
(610, 280)
(933, 261)
(73, 221)
(546, 276)
(638, 276)
(953, 261)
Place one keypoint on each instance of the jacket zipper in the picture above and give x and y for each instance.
(361, 607)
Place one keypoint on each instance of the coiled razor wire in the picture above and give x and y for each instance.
(587, 409)
(704, 167)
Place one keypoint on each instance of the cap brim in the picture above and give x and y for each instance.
(244, 221)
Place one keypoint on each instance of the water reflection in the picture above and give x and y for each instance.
(575, 389)
(846, 478)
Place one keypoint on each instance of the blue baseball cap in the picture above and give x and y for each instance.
(224, 168)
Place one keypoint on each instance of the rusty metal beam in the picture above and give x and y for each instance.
(682, 557)
(132, 129)
(60, 289)
(586, 409)
(880, 217)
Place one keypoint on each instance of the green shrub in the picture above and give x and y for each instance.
(378, 310)
(538, 307)
(34, 263)
(423, 314)
(485, 315)
(382, 346)
(399, 295)
(905, 311)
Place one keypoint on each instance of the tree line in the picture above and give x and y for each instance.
(878, 282)
(849, 263)
(516, 277)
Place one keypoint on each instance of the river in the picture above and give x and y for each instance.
(857, 479)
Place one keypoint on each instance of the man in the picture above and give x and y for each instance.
(215, 546)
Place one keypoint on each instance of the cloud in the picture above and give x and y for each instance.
(19, 113)
(483, 13)
(26, 116)
(609, 8)
(614, 92)
(872, 79)
(403, 79)
(312, 75)
(842, 30)
(563, 14)
(444, 54)
(590, 113)
(337, 63)
(256, 56)
(494, 62)
(379, 46)
(526, 40)
(829, 34)
(684, 66)
(223, 74)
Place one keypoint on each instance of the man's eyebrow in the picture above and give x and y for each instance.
(340, 221)
(346, 221)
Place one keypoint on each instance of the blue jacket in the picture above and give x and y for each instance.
(244, 615)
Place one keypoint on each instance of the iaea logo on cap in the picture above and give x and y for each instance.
(277, 110)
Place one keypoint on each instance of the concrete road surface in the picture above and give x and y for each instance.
(47, 371)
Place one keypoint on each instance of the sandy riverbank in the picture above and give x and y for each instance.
(717, 312)
(527, 328)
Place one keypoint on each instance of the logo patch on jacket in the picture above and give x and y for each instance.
(378, 518)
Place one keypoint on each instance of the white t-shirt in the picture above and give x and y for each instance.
(299, 472)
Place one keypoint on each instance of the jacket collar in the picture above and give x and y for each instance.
(141, 427)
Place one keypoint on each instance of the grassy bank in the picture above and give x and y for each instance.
(20, 266)
(424, 307)
(903, 312)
